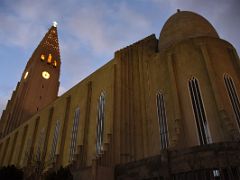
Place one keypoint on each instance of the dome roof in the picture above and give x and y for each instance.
(183, 25)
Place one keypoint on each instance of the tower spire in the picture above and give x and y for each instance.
(39, 83)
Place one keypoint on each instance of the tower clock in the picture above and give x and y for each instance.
(39, 83)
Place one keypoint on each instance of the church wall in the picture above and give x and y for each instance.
(78, 95)
(61, 111)
(12, 149)
(185, 56)
(78, 99)
(15, 149)
(58, 115)
(188, 63)
(6, 151)
(6, 145)
(102, 81)
(27, 133)
(225, 62)
(160, 82)
(75, 93)
(132, 93)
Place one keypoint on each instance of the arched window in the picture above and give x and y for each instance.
(232, 93)
(162, 121)
(100, 123)
(199, 112)
(55, 140)
(74, 134)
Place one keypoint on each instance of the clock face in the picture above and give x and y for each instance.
(45, 75)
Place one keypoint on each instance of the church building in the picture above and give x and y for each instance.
(162, 108)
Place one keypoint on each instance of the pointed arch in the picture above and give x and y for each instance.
(233, 96)
(55, 141)
(74, 134)
(100, 123)
(162, 121)
(199, 111)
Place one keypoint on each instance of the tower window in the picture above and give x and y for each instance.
(232, 93)
(100, 124)
(55, 140)
(74, 134)
(199, 112)
(49, 60)
(162, 121)
(42, 57)
(55, 63)
(26, 75)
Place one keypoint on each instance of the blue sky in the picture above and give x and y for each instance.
(90, 31)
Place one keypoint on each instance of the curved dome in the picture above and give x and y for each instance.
(183, 25)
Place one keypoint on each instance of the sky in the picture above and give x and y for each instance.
(90, 31)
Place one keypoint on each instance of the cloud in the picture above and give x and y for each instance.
(105, 29)
(91, 31)
(223, 14)
(89, 35)
(22, 22)
(99, 26)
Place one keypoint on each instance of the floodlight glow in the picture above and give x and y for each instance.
(55, 23)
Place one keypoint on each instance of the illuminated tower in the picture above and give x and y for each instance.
(38, 85)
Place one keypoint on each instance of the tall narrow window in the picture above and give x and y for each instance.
(100, 123)
(199, 112)
(162, 121)
(74, 134)
(232, 93)
(55, 140)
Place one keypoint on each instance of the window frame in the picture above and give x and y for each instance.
(100, 123)
(233, 96)
(199, 112)
(162, 120)
(74, 133)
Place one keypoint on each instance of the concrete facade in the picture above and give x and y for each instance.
(130, 83)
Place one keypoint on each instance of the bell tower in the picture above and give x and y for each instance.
(38, 85)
